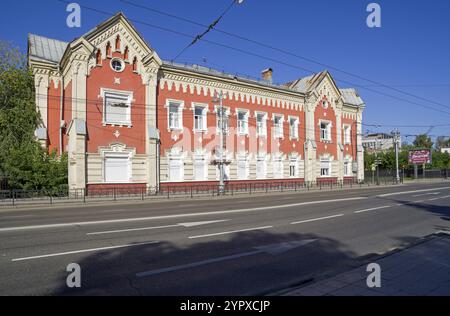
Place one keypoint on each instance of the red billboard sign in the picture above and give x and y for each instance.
(419, 156)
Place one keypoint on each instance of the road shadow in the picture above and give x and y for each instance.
(442, 211)
(251, 271)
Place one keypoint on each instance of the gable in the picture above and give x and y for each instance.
(129, 37)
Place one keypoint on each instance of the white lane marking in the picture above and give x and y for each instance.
(193, 224)
(275, 249)
(374, 208)
(84, 250)
(440, 198)
(128, 220)
(431, 193)
(230, 232)
(415, 191)
(316, 219)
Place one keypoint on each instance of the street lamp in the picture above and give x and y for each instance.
(219, 100)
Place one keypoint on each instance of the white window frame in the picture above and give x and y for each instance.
(278, 131)
(108, 155)
(347, 129)
(205, 112)
(327, 131)
(261, 159)
(246, 113)
(296, 127)
(293, 162)
(179, 159)
(122, 64)
(200, 161)
(261, 131)
(242, 163)
(348, 164)
(278, 161)
(128, 95)
(180, 104)
(227, 113)
(322, 162)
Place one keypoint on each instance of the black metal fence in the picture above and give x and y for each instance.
(22, 197)
(64, 195)
(384, 176)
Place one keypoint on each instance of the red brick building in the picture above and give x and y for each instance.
(127, 118)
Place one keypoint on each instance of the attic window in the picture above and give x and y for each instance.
(117, 65)
(325, 104)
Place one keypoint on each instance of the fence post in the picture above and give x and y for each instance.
(14, 197)
(250, 188)
(168, 192)
(84, 195)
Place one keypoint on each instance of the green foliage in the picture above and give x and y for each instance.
(22, 159)
(423, 141)
(442, 142)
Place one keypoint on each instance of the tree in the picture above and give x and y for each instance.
(423, 141)
(442, 142)
(22, 159)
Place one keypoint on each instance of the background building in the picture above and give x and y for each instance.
(127, 118)
(379, 142)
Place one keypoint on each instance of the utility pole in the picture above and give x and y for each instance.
(396, 135)
(222, 142)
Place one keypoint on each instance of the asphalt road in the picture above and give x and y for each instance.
(238, 246)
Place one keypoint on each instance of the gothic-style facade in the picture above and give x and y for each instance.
(126, 118)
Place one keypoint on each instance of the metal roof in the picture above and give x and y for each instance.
(351, 97)
(222, 74)
(305, 84)
(45, 49)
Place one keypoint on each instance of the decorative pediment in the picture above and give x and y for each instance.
(325, 88)
(79, 49)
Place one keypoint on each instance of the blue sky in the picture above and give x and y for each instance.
(410, 52)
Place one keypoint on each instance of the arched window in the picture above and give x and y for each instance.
(118, 43)
(99, 57)
(108, 49)
(126, 53)
(135, 64)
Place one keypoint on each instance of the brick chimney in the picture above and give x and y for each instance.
(267, 75)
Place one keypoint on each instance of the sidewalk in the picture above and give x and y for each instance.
(422, 269)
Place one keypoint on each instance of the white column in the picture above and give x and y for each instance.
(310, 151)
(41, 85)
(359, 147)
(340, 153)
(152, 143)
